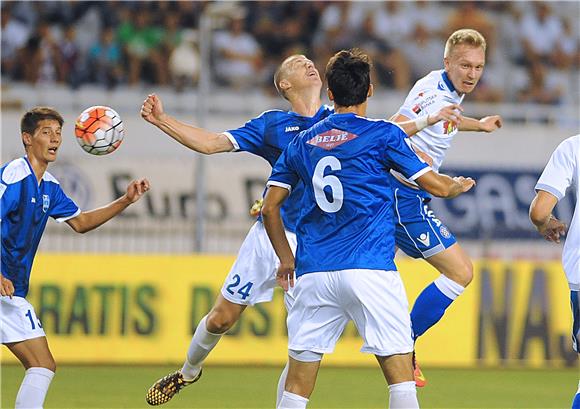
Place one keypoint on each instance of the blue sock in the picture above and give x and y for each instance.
(431, 304)
(576, 403)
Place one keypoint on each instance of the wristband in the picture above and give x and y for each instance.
(422, 122)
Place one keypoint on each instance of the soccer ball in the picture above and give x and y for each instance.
(99, 130)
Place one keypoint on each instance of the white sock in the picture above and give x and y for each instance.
(403, 396)
(448, 287)
(200, 346)
(292, 401)
(33, 388)
(281, 384)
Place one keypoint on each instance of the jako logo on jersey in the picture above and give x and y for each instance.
(449, 127)
(331, 139)
(424, 239)
(45, 203)
(292, 128)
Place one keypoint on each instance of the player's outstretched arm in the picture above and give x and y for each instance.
(197, 139)
(275, 197)
(541, 216)
(6, 286)
(487, 124)
(87, 221)
(444, 186)
(450, 113)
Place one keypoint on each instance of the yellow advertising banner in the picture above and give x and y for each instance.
(143, 309)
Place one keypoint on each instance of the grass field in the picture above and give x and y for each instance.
(254, 387)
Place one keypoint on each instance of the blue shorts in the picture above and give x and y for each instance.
(419, 233)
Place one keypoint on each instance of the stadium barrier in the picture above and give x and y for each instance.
(129, 309)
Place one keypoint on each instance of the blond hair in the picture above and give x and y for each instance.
(464, 36)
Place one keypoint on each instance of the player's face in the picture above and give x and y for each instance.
(464, 66)
(46, 140)
(301, 72)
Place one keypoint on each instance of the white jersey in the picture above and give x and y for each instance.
(429, 95)
(561, 173)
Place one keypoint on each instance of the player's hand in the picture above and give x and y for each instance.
(256, 208)
(152, 110)
(136, 189)
(466, 183)
(490, 123)
(553, 230)
(6, 287)
(285, 275)
(451, 113)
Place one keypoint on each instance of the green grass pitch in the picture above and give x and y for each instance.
(254, 387)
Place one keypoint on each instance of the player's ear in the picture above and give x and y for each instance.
(26, 139)
(329, 93)
(371, 91)
(446, 63)
(284, 85)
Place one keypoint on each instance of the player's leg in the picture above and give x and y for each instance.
(302, 372)
(575, 304)
(377, 304)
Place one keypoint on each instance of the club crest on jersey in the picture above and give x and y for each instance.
(449, 127)
(45, 202)
(331, 139)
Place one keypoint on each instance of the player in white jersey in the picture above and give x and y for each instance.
(346, 244)
(29, 195)
(420, 234)
(562, 173)
(252, 277)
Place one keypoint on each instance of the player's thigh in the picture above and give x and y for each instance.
(377, 303)
(316, 319)
(252, 278)
(33, 353)
(454, 263)
(396, 368)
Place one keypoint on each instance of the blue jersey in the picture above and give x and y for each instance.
(347, 218)
(267, 136)
(25, 206)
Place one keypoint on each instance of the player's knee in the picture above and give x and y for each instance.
(219, 321)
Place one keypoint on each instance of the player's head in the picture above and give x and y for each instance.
(348, 74)
(296, 73)
(464, 59)
(41, 129)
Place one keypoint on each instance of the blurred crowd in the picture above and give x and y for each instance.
(533, 47)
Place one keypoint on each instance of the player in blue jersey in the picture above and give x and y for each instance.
(346, 235)
(252, 277)
(29, 195)
(420, 234)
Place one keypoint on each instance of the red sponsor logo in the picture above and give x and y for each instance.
(331, 139)
(449, 127)
(417, 109)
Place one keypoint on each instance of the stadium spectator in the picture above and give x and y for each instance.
(105, 60)
(23, 223)
(541, 87)
(540, 30)
(73, 66)
(14, 36)
(470, 14)
(184, 62)
(237, 56)
(423, 52)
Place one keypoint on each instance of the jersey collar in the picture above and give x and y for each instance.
(447, 81)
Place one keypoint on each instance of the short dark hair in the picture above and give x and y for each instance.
(30, 119)
(348, 77)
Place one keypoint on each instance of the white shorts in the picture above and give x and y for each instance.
(374, 299)
(18, 321)
(253, 276)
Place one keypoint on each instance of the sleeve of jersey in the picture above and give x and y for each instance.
(63, 207)
(250, 137)
(283, 173)
(5, 202)
(559, 172)
(401, 156)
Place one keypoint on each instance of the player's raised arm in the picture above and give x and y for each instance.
(275, 197)
(451, 113)
(197, 139)
(487, 124)
(87, 221)
(444, 186)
